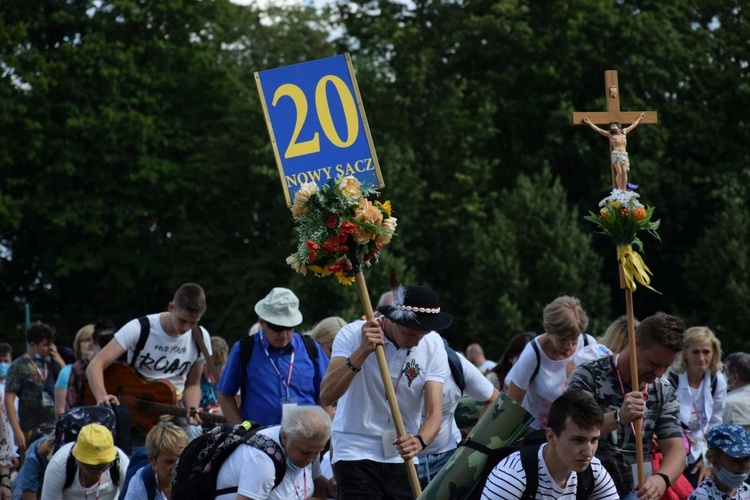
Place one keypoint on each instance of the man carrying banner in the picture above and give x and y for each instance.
(368, 456)
(659, 340)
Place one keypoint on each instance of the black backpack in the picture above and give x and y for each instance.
(194, 475)
(529, 448)
(68, 426)
(247, 346)
(454, 362)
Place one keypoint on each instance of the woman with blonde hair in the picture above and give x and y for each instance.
(615, 337)
(324, 332)
(540, 375)
(701, 390)
(70, 383)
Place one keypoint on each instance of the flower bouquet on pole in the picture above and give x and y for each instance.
(339, 229)
(621, 217)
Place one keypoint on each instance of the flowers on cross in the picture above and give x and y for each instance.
(621, 216)
(336, 219)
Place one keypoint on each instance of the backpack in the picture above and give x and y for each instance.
(194, 475)
(529, 447)
(454, 362)
(70, 424)
(539, 355)
(247, 346)
(139, 460)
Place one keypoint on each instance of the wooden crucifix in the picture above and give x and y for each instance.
(613, 118)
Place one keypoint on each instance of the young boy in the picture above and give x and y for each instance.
(574, 426)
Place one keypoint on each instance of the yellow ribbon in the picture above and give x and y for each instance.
(633, 268)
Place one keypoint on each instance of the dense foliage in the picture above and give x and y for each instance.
(134, 156)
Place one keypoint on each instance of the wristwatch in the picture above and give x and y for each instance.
(421, 441)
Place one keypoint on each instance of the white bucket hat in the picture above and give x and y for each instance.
(280, 307)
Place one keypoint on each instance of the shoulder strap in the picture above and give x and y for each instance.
(713, 384)
(454, 363)
(538, 360)
(585, 339)
(114, 471)
(585, 483)
(145, 330)
(271, 450)
(530, 463)
(70, 469)
(198, 337)
(312, 348)
(247, 345)
(149, 482)
(674, 379)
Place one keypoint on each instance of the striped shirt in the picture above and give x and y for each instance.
(508, 481)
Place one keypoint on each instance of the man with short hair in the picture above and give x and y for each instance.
(95, 456)
(475, 354)
(298, 441)
(737, 371)
(283, 369)
(659, 340)
(31, 378)
(368, 456)
(573, 431)
(170, 352)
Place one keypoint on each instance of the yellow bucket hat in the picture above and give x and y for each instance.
(95, 445)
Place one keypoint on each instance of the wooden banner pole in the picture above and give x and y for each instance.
(634, 382)
(390, 394)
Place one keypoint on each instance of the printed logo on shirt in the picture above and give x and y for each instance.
(412, 371)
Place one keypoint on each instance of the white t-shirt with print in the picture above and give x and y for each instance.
(508, 480)
(54, 479)
(549, 383)
(363, 415)
(163, 357)
(476, 386)
(254, 473)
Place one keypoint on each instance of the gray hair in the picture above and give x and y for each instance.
(306, 422)
(739, 363)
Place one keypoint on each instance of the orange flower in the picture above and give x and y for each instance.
(640, 214)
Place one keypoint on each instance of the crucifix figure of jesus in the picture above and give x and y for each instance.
(613, 118)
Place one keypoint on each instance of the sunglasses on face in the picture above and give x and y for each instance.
(97, 469)
(277, 328)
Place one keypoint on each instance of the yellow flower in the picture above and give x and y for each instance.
(295, 263)
(385, 206)
(344, 279)
(320, 271)
(301, 197)
(350, 187)
(389, 227)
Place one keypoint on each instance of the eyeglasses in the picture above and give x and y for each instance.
(277, 328)
(97, 469)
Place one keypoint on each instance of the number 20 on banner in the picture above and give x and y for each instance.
(317, 124)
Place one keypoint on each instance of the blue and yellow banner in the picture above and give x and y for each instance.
(317, 124)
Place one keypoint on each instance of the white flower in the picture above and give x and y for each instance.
(301, 197)
(389, 227)
(624, 198)
(296, 264)
(350, 187)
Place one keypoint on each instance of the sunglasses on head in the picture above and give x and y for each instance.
(277, 328)
(96, 469)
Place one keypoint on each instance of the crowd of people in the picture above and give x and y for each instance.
(326, 426)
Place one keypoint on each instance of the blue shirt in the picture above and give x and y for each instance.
(265, 387)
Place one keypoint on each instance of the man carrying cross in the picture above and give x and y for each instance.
(618, 143)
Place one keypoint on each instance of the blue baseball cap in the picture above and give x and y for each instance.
(732, 439)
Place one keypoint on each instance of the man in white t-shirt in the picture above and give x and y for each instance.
(301, 437)
(439, 451)
(95, 456)
(368, 456)
(575, 422)
(170, 352)
(475, 354)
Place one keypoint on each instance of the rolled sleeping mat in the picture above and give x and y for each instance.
(501, 425)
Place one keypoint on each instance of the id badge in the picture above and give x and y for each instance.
(389, 449)
(47, 399)
(287, 404)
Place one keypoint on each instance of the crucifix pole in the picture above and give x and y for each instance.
(613, 114)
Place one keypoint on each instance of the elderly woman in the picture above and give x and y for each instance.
(701, 390)
(728, 456)
(540, 374)
(324, 332)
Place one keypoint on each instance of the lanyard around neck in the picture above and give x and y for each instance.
(291, 362)
(39, 371)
